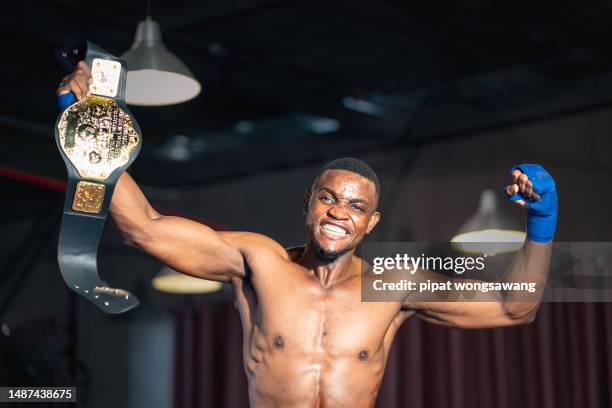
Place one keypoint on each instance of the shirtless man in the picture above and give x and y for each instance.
(309, 341)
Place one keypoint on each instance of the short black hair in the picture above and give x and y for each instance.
(355, 166)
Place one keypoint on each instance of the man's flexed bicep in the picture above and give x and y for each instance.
(184, 245)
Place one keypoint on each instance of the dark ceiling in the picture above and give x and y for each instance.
(279, 76)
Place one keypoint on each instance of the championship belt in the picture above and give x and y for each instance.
(98, 139)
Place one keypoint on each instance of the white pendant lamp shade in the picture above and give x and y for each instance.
(155, 76)
(170, 281)
(489, 231)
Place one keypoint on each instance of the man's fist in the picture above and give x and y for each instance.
(534, 189)
(74, 85)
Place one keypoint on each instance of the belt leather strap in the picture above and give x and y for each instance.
(98, 139)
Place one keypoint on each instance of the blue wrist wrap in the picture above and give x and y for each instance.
(541, 214)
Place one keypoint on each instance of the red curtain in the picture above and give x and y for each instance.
(563, 359)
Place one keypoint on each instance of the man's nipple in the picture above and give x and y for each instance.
(279, 343)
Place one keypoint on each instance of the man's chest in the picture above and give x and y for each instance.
(315, 318)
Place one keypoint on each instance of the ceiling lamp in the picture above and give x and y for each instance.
(489, 231)
(156, 77)
(170, 281)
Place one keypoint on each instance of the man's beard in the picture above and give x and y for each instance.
(328, 256)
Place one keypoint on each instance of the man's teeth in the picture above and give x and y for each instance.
(334, 229)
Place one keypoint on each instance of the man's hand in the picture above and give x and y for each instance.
(74, 85)
(534, 189)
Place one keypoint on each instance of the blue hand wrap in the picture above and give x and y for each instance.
(66, 99)
(541, 214)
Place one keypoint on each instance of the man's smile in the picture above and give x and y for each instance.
(334, 231)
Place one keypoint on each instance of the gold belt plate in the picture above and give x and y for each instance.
(88, 197)
(97, 136)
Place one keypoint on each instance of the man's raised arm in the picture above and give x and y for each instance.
(184, 245)
(492, 308)
(533, 189)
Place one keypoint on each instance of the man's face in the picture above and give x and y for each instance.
(340, 210)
